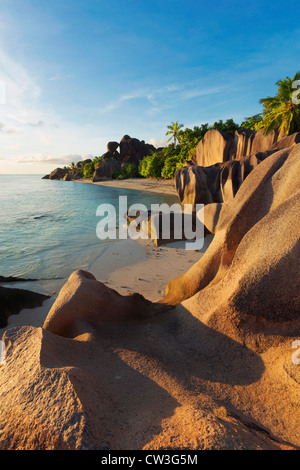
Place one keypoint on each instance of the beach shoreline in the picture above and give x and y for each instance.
(126, 266)
(139, 184)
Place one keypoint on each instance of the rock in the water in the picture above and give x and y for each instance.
(12, 301)
(4, 279)
(58, 173)
(68, 177)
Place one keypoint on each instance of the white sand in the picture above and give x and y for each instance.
(140, 184)
(127, 266)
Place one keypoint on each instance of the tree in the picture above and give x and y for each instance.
(281, 112)
(252, 122)
(229, 126)
(174, 129)
(151, 166)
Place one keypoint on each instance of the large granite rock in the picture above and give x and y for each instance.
(255, 250)
(81, 163)
(286, 142)
(248, 142)
(213, 148)
(161, 227)
(105, 169)
(112, 146)
(12, 301)
(219, 147)
(133, 150)
(216, 183)
(58, 173)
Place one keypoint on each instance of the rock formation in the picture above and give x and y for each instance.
(105, 169)
(132, 150)
(162, 227)
(256, 244)
(12, 301)
(209, 366)
(222, 163)
(219, 147)
(217, 183)
(213, 148)
(58, 173)
(248, 142)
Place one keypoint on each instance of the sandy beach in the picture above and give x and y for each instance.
(128, 266)
(141, 184)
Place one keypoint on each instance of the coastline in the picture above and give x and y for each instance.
(140, 184)
(126, 266)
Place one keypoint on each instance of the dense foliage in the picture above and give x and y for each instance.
(151, 166)
(163, 164)
(89, 168)
(128, 170)
(282, 111)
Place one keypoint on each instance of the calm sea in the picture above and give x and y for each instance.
(48, 228)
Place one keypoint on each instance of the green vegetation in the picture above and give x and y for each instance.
(253, 122)
(151, 166)
(281, 112)
(128, 171)
(164, 163)
(89, 168)
(174, 128)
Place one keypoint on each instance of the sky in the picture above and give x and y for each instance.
(76, 74)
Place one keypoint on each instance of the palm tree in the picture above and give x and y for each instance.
(174, 129)
(281, 112)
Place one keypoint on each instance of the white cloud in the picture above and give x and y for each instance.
(12, 147)
(37, 124)
(52, 159)
(158, 143)
(61, 76)
(153, 111)
(118, 102)
(196, 92)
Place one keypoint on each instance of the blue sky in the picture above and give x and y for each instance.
(78, 74)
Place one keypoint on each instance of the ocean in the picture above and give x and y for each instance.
(48, 227)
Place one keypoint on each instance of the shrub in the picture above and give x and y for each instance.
(88, 170)
(170, 166)
(151, 166)
(129, 170)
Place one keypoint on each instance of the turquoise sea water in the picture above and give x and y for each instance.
(48, 228)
